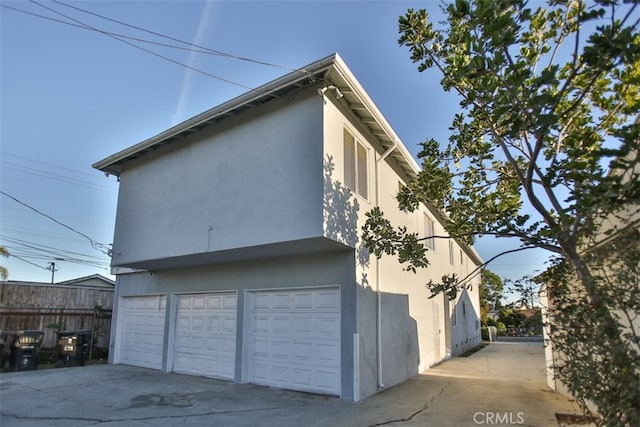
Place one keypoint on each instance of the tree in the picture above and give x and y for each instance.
(490, 293)
(4, 273)
(526, 289)
(550, 103)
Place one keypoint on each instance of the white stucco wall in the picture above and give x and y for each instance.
(414, 328)
(276, 176)
(236, 184)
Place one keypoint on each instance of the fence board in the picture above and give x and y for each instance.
(51, 308)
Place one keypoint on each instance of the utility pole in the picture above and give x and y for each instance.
(52, 267)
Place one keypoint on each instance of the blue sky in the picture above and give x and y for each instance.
(71, 97)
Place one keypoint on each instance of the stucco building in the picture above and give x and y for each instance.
(237, 248)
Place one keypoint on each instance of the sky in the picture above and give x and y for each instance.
(72, 96)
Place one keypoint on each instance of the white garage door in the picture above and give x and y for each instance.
(294, 339)
(205, 340)
(142, 339)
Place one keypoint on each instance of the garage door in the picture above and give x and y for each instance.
(205, 340)
(142, 341)
(294, 339)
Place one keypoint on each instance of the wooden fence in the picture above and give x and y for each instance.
(54, 308)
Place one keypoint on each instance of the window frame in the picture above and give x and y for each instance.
(429, 230)
(454, 315)
(355, 158)
(451, 256)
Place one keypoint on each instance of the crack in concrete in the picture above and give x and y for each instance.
(419, 411)
(116, 420)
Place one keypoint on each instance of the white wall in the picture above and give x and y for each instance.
(414, 327)
(252, 182)
(282, 181)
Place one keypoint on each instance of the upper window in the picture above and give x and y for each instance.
(451, 258)
(454, 317)
(355, 165)
(429, 232)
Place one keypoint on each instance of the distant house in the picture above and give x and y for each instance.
(237, 249)
(78, 304)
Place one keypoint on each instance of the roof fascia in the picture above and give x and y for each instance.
(356, 88)
(109, 164)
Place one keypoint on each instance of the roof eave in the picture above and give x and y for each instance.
(112, 164)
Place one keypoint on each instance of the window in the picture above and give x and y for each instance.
(349, 160)
(454, 318)
(461, 258)
(355, 165)
(400, 187)
(429, 232)
(451, 251)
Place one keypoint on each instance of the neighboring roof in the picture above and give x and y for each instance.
(92, 281)
(80, 280)
(329, 70)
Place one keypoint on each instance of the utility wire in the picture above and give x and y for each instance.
(43, 254)
(44, 248)
(23, 231)
(213, 51)
(194, 47)
(85, 263)
(55, 177)
(166, 58)
(92, 175)
(96, 245)
(124, 36)
(28, 262)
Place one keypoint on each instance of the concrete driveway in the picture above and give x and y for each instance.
(502, 384)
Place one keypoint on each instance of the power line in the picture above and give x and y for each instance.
(55, 177)
(96, 245)
(166, 58)
(45, 248)
(124, 36)
(193, 47)
(213, 51)
(71, 260)
(92, 175)
(29, 231)
(82, 262)
(29, 250)
(28, 262)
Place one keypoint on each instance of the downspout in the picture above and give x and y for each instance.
(378, 299)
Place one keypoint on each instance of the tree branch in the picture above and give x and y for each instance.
(479, 268)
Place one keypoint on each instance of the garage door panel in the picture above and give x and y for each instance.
(302, 352)
(294, 339)
(327, 352)
(302, 325)
(205, 341)
(142, 338)
(230, 302)
(302, 377)
(229, 324)
(329, 300)
(303, 300)
(327, 326)
(328, 380)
